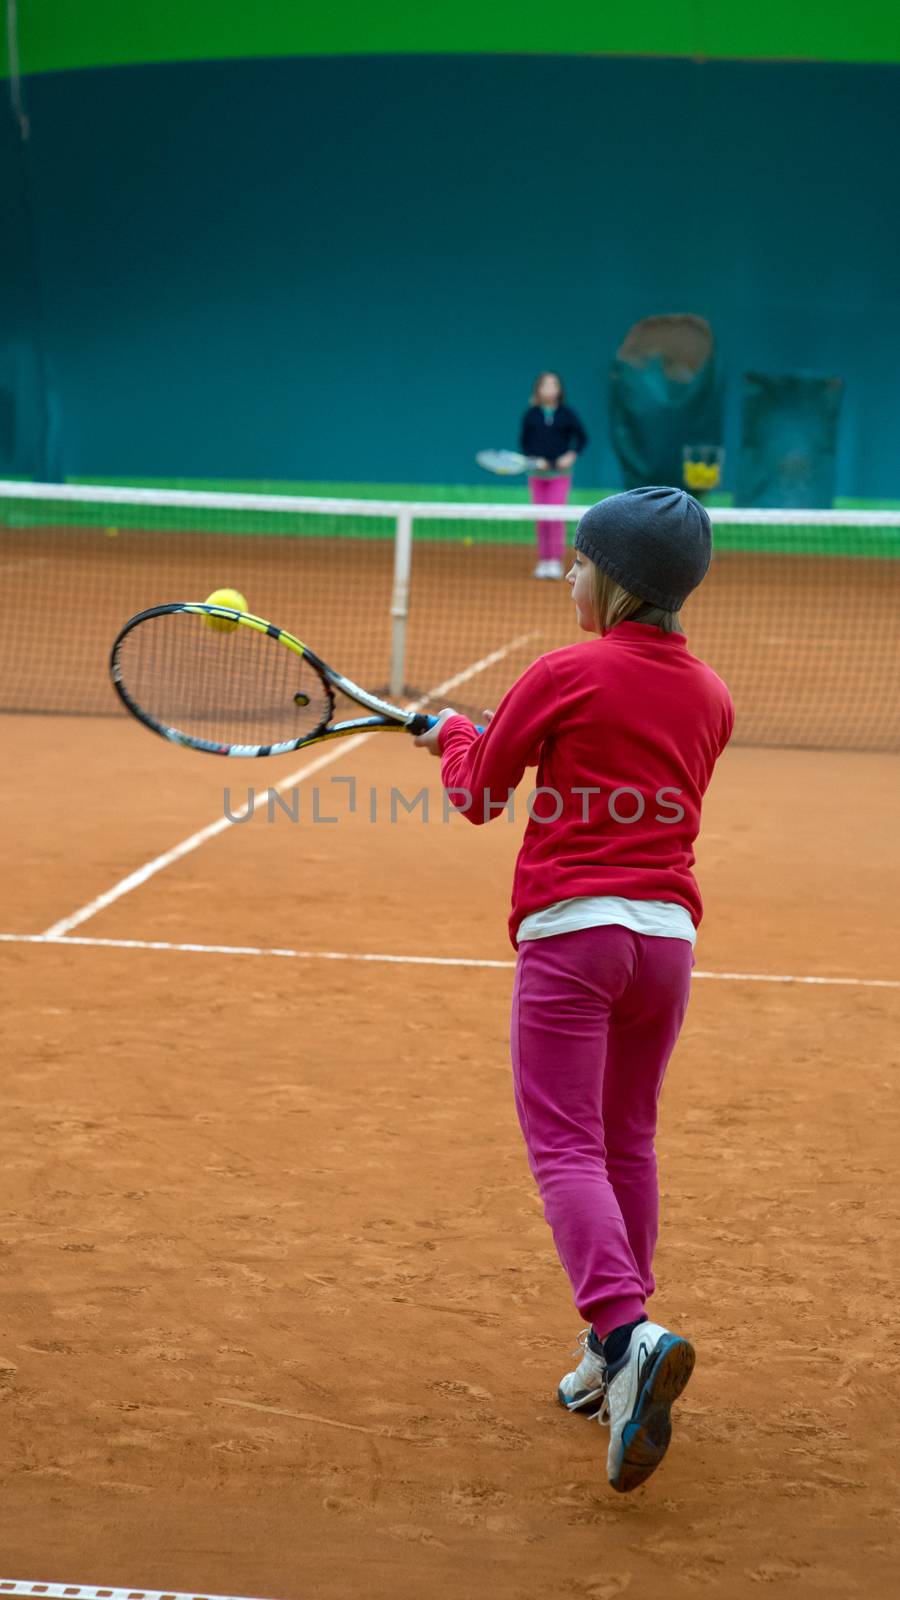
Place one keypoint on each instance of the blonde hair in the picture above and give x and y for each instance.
(537, 384)
(613, 604)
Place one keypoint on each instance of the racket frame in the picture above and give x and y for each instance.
(515, 463)
(388, 718)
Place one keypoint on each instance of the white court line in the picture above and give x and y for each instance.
(58, 930)
(412, 961)
(80, 1591)
(159, 863)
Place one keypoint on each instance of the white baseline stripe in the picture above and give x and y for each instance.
(412, 961)
(252, 950)
(134, 880)
(80, 1591)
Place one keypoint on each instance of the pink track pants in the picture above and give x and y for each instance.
(595, 1017)
(551, 536)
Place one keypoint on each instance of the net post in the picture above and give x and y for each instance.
(400, 600)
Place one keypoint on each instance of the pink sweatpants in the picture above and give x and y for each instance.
(595, 1018)
(551, 536)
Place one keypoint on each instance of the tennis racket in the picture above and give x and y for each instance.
(507, 463)
(231, 684)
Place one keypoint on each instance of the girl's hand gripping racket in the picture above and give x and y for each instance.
(231, 684)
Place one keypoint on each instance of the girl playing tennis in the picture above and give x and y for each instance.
(626, 731)
(554, 435)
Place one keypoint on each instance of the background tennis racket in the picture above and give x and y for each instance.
(231, 684)
(506, 462)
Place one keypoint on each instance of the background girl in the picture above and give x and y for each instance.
(626, 731)
(553, 433)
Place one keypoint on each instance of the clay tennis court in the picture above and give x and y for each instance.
(280, 1313)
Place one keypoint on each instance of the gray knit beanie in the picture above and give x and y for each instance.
(655, 542)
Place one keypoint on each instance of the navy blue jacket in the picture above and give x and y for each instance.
(537, 437)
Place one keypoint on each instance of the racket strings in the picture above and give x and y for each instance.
(237, 687)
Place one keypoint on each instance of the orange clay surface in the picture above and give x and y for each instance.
(279, 1313)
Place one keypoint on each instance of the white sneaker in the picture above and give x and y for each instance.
(540, 570)
(585, 1388)
(641, 1393)
(553, 569)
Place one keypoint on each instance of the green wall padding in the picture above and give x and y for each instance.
(58, 34)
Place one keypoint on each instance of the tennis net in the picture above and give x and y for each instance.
(798, 614)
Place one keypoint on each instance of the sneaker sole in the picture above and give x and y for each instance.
(587, 1401)
(646, 1435)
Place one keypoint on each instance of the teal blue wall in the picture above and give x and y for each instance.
(351, 268)
(27, 401)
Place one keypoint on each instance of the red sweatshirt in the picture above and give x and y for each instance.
(626, 731)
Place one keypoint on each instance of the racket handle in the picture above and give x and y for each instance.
(424, 724)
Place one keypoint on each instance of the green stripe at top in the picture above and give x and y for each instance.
(56, 35)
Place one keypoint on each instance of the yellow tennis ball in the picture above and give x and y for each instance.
(224, 597)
